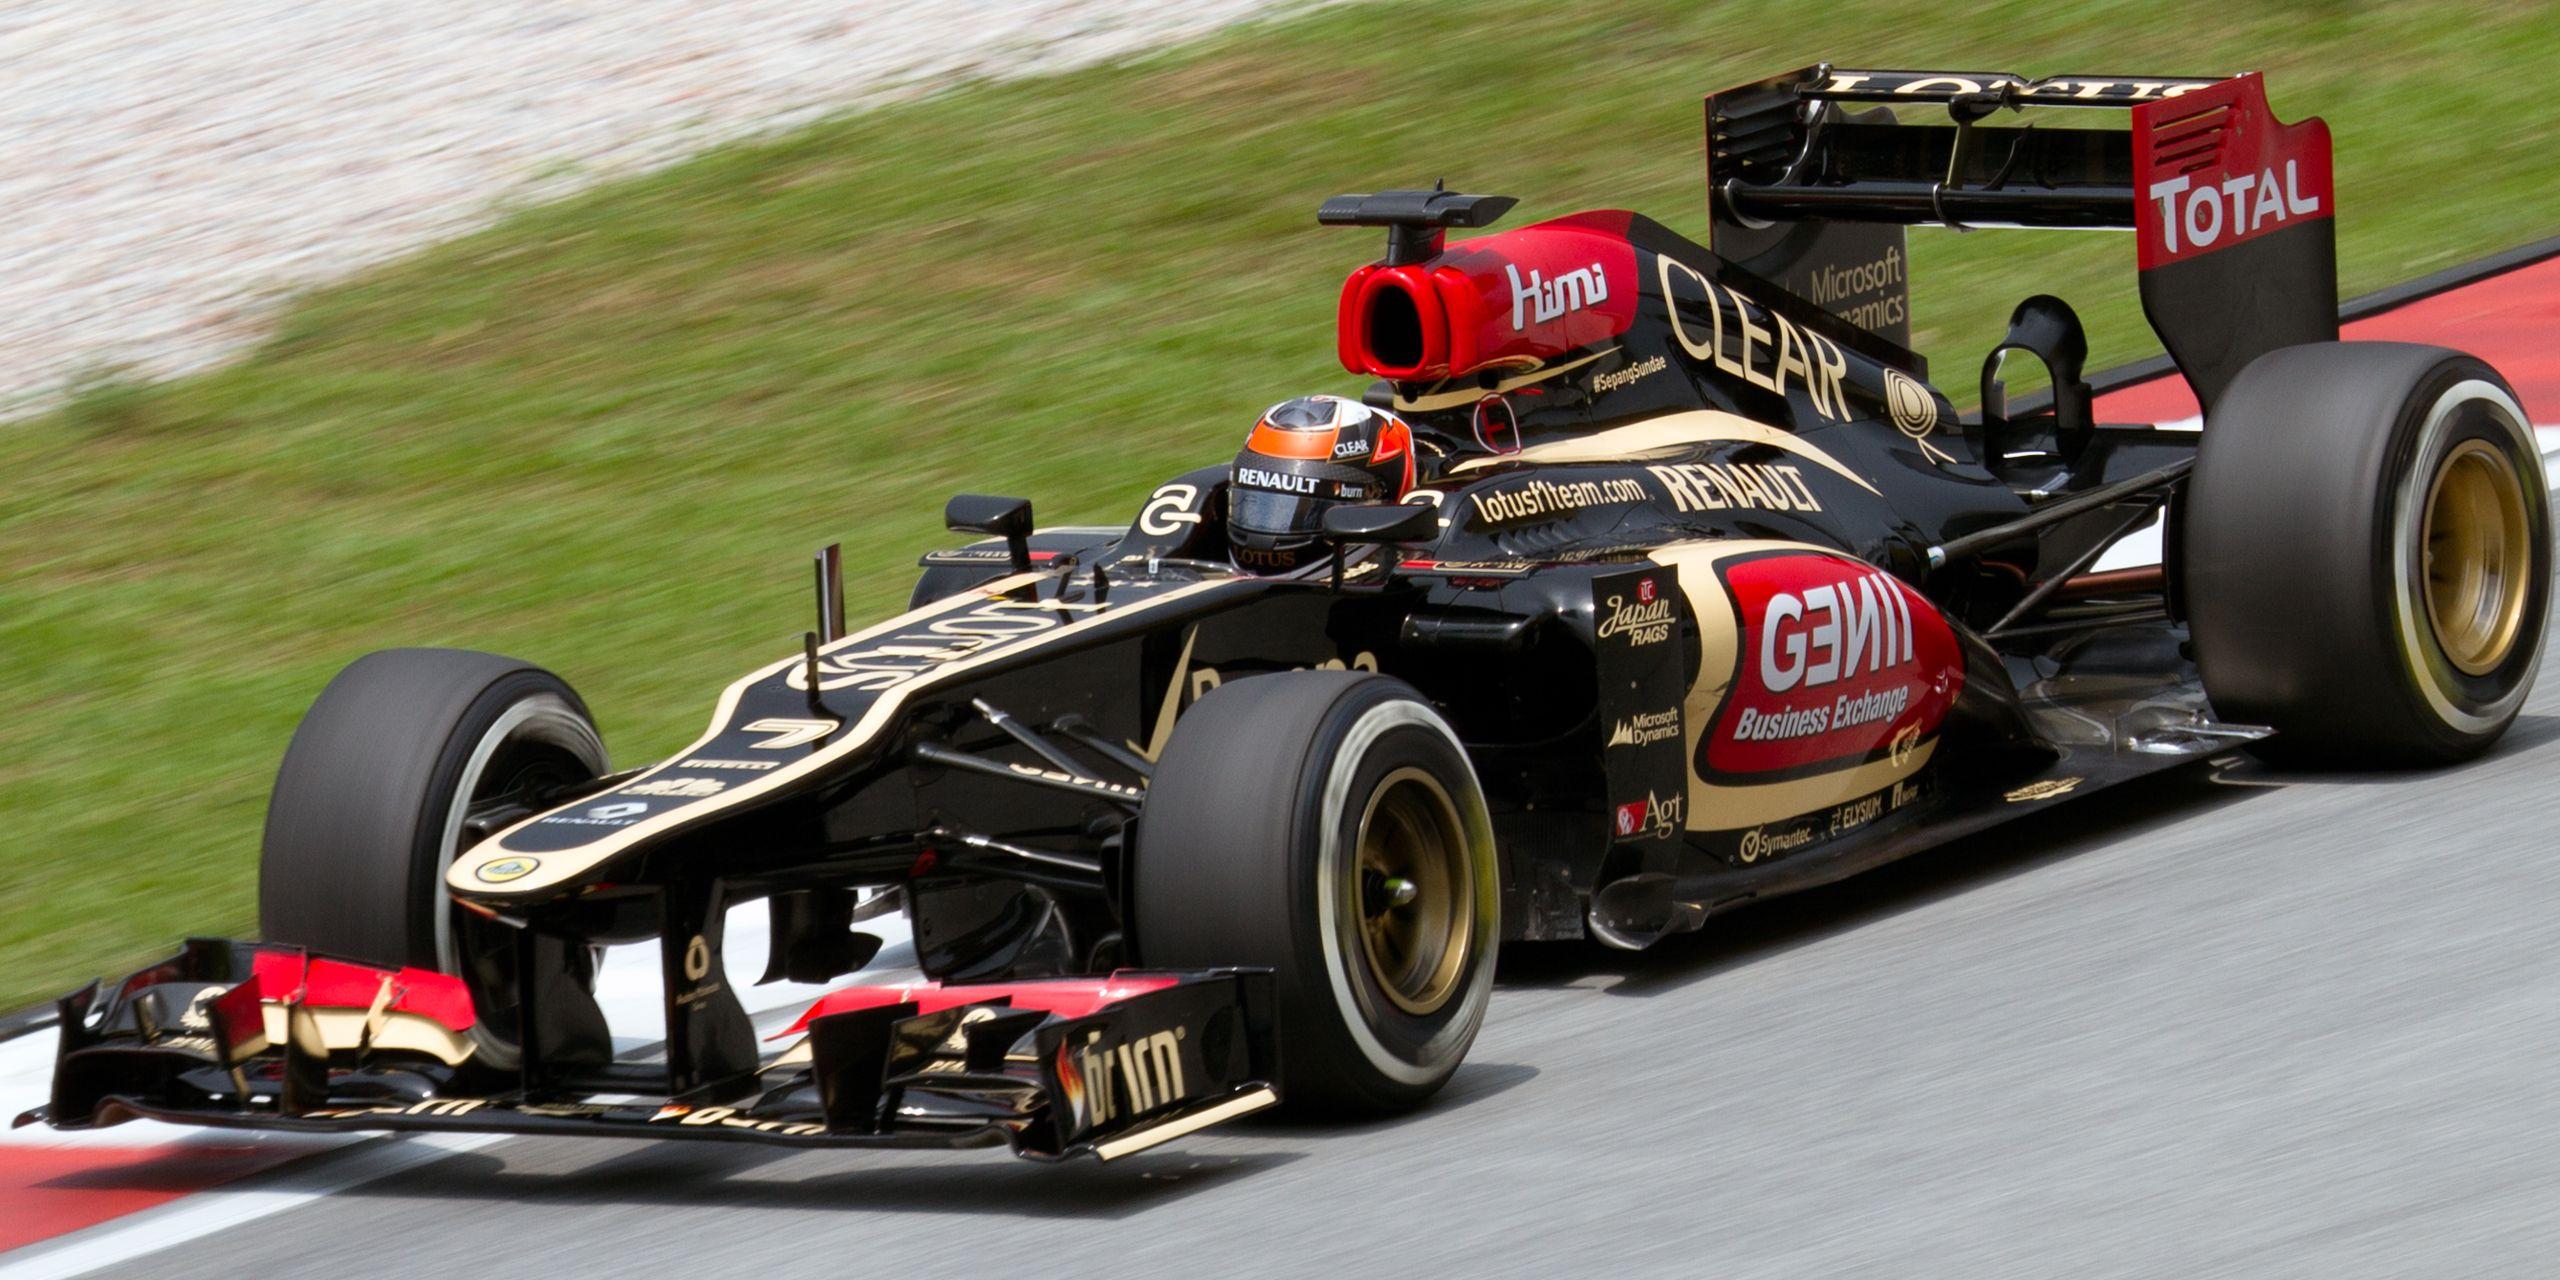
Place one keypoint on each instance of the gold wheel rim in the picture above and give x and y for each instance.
(1416, 891)
(2474, 557)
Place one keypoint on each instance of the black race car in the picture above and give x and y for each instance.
(1703, 593)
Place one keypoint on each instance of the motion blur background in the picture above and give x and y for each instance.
(567, 330)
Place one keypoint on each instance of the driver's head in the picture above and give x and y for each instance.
(1305, 456)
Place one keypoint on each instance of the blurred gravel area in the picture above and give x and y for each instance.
(170, 169)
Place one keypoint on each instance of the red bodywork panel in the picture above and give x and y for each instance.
(2213, 168)
(1515, 298)
(1065, 997)
(1838, 663)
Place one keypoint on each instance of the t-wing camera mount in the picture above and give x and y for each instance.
(1416, 221)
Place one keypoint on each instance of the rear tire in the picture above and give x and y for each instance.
(369, 806)
(1327, 825)
(2368, 554)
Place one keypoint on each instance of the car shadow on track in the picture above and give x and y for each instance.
(565, 1173)
(2121, 813)
(699, 1176)
(1474, 1082)
(1762, 930)
(2527, 733)
(562, 1173)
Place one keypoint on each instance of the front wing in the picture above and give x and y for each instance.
(247, 1036)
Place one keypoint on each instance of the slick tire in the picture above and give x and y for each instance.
(1326, 825)
(370, 804)
(2368, 554)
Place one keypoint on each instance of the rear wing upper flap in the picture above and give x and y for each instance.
(1993, 88)
(1812, 175)
(1813, 143)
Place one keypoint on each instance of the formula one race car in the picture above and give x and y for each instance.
(1690, 589)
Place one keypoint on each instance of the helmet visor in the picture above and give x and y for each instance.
(1274, 514)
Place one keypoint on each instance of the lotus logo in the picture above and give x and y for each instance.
(506, 869)
(1914, 410)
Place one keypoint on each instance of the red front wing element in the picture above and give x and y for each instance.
(297, 977)
(248, 1036)
(1065, 997)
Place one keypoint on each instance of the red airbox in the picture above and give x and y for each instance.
(1513, 300)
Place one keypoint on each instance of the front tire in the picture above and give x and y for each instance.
(1327, 825)
(2368, 554)
(374, 799)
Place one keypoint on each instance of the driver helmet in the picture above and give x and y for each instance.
(1304, 457)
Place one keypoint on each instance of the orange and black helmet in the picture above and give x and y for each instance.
(1304, 456)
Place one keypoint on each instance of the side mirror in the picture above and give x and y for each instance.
(1006, 518)
(1381, 522)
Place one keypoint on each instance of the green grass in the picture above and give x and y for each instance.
(605, 434)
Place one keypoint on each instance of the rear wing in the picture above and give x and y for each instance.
(1812, 176)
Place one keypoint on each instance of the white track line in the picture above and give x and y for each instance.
(124, 1239)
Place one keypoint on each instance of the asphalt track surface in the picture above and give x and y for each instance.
(2221, 1022)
